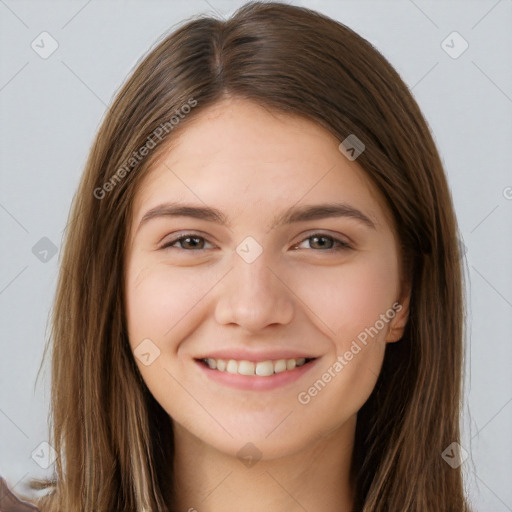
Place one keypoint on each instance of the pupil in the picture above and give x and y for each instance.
(316, 238)
(193, 244)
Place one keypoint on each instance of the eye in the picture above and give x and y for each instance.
(188, 241)
(191, 242)
(319, 239)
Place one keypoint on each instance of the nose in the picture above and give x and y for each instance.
(254, 295)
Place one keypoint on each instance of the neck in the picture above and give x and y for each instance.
(317, 477)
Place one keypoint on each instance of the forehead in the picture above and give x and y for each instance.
(237, 155)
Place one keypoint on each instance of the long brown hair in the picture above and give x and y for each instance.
(114, 440)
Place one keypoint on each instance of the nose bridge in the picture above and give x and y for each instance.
(256, 277)
(254, 296)
(253, 264)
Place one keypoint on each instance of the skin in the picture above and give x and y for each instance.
(252, 164)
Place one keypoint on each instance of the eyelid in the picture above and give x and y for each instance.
(344, 241)
(340, 244)
(185, 234)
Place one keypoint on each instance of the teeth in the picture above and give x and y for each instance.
(260, 368)
(264, 368)
(232, 366)
(280, 366)
(245, 367)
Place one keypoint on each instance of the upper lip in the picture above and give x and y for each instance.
(256, 356)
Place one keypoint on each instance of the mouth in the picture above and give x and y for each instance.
(247, 368)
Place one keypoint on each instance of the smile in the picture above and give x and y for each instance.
(250, 368)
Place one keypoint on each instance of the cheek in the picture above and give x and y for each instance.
(158, 298)
(160, 306)
(350, 298)
(352, 303)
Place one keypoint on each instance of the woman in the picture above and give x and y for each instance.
(259, 305)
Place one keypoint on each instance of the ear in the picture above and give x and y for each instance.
(399, 321)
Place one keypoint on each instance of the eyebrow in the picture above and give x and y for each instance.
(292, 215)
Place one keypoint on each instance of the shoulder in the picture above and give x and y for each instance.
(11, 503)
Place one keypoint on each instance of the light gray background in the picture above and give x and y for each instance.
(51, 109)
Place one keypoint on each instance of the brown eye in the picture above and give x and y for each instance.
(188, 242)
(323, 242)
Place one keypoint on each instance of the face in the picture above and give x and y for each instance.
(267, 322)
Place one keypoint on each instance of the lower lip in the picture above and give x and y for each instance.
(257, 383)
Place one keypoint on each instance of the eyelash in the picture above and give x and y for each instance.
(340, 245)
